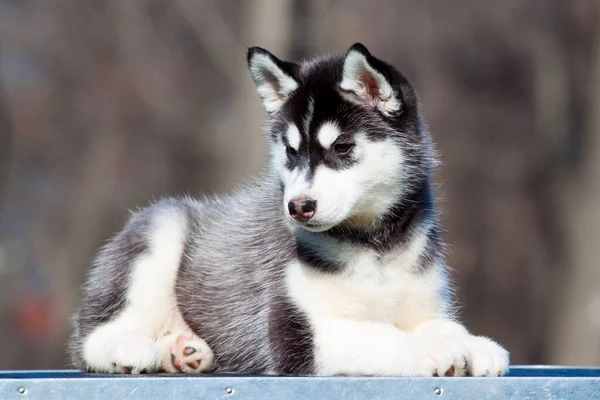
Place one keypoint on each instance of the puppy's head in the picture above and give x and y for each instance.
(344, 133)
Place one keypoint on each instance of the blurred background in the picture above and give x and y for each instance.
(107, 105)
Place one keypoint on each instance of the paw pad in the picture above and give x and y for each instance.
(190, 355)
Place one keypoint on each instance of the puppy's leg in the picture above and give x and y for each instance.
(486, 357)
(127, 343)
(347, 347)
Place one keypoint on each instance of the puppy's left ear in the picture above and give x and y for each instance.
(365, 82)
(274, 79)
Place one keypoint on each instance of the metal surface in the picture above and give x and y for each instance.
(524, 382)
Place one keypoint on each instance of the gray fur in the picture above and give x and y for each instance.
(227, 301)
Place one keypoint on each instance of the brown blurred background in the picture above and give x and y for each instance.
(106, 105)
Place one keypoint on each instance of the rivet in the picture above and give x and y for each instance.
(22, 390)
(229, 390)
(437, 391)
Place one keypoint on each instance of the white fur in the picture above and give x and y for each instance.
(391, 291)
(368, 188)
(131, 338)
(488, 358)
(356, 66)
(362, 318)
(349, 347)
(273, 96)
(293, 136)
(328, 133)
(387, 318)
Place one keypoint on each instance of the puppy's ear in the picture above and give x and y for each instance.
(365, 82)
(274, 79)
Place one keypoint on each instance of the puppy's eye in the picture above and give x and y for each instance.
(343, 148)
(291, 151)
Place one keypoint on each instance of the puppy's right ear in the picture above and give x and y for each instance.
(274, 79)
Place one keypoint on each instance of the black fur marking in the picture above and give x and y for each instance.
(309, 255)
(290, 338)
(276, 131)
(397, 226)
(293, 160)
(433, 251)
(329, 157)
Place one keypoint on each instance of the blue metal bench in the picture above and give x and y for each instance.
(524, 382)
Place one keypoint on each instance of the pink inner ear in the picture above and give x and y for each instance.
(369, 83)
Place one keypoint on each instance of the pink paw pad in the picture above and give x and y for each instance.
(190, 355)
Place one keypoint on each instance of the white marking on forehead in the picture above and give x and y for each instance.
(328, 132)
(293, 137)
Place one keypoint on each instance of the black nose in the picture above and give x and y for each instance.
(302, 209)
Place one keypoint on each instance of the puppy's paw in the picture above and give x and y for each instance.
(488, 358)
(188, 354)
(441, 355)
(116, 351)
(134, 355)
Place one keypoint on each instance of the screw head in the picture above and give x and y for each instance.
(229, 390)
(437, 391)
(22, 390)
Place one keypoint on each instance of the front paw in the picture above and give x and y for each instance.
(133, 355)
(488, 358)
(441, 355)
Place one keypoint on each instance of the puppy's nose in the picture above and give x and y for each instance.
(302, 209)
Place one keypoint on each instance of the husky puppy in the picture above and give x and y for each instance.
(330, 264)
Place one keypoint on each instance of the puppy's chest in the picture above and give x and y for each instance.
(367, 290)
